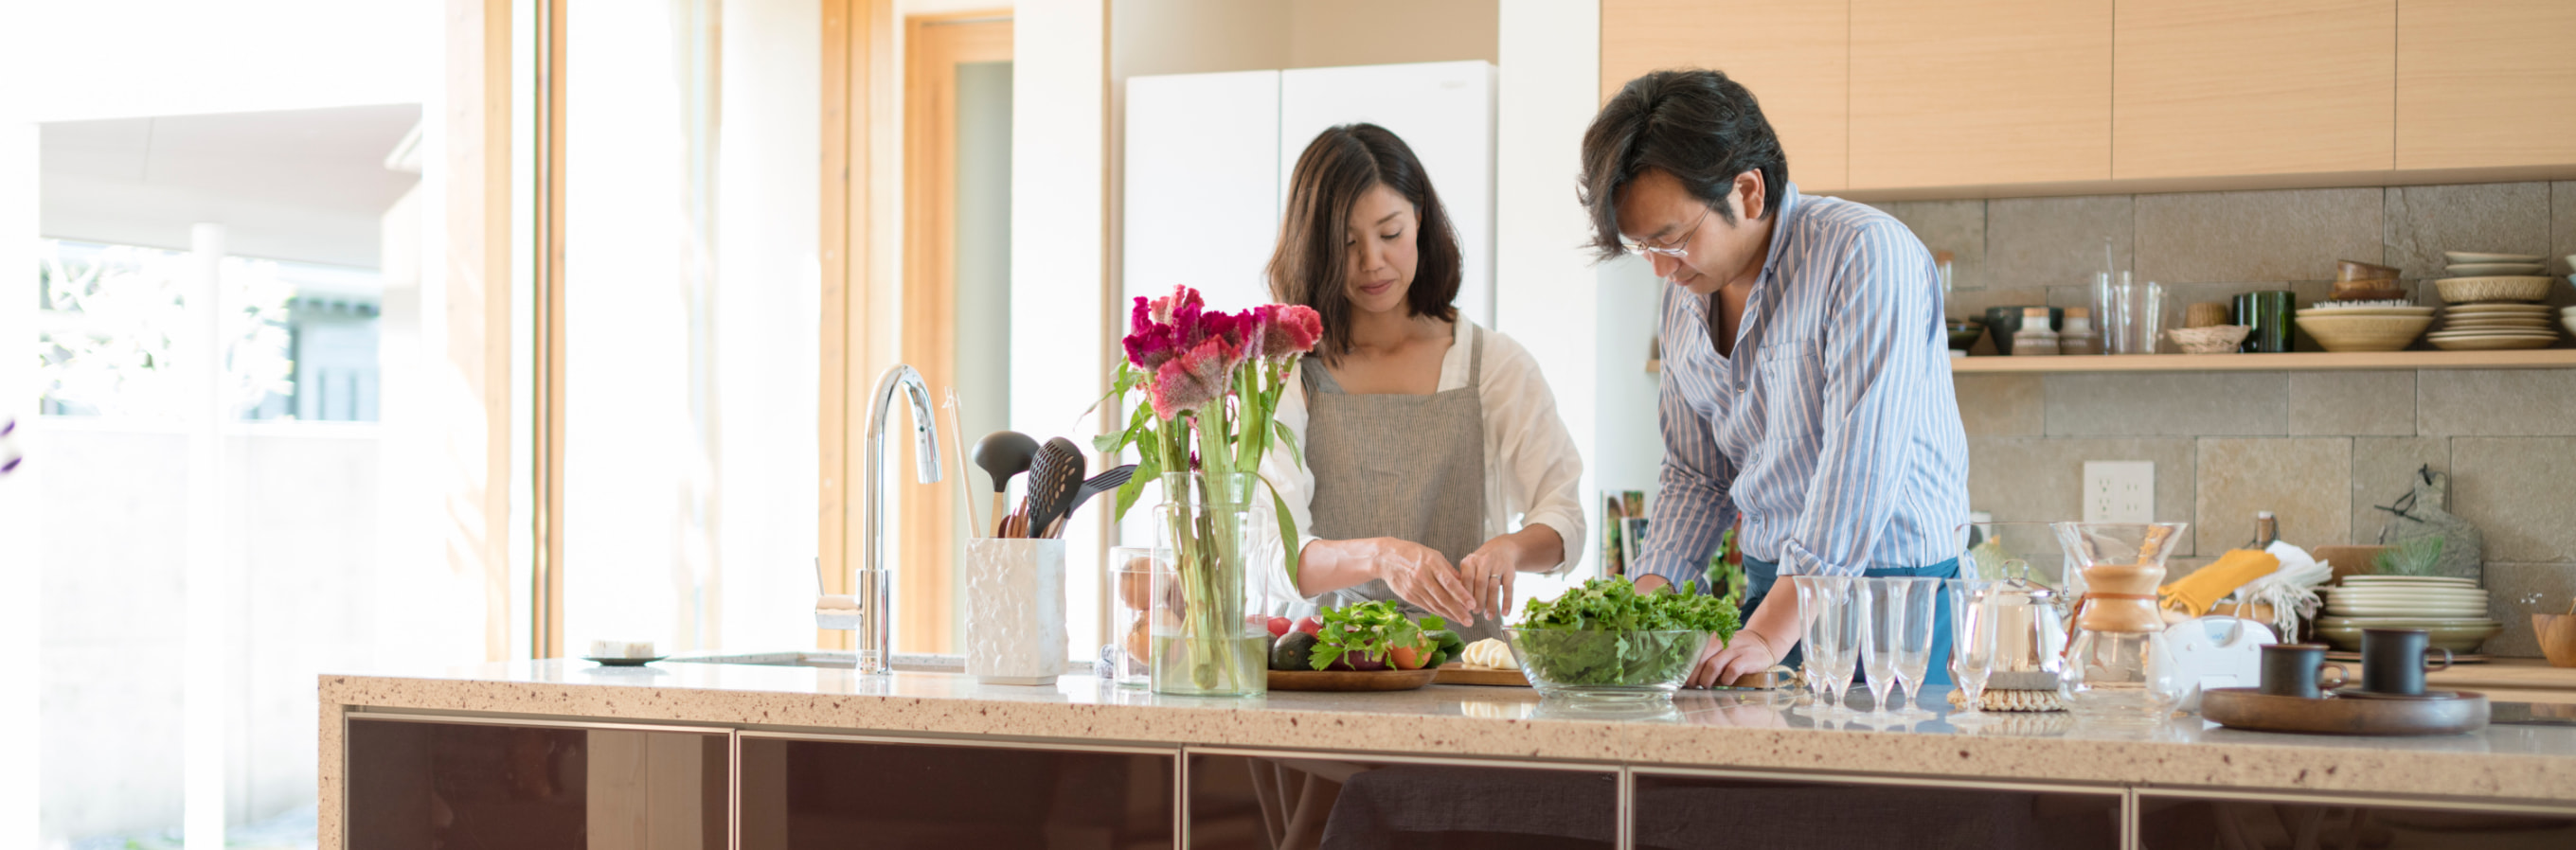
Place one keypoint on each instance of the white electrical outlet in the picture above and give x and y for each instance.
(2119, 491)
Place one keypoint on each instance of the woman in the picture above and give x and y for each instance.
(1422, 434)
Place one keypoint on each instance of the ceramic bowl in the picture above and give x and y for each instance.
(2491, 269)
(2215, 339)
(2469, 290)
(2363, 333)
(2484, 257)
(1964, 333)
(2003, 322)
(2456, 635)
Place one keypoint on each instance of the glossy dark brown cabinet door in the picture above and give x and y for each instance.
(2166, 823)
(1295, 803)
(800, 794)
(1692, 812)
(451, 785)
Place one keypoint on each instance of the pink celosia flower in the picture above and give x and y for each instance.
(1287, 330)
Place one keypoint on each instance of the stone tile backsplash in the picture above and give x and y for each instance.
(2322, 449)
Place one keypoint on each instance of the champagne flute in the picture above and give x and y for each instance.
(1917, 600)
(1841, 629)
(1972, 644)
(1882, 618)
(1812, 661)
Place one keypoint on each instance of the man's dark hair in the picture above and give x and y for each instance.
(1311, 266)
(1694, 124)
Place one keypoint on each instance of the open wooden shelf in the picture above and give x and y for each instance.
(2304, 361)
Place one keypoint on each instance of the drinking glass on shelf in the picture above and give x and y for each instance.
(1132, 574)
(1842, 631)
(1882, 614)
(1916, 601)
(1972, 644)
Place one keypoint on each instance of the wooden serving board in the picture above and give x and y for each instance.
(2248, 708)
(1458, 673)
(1350, 680)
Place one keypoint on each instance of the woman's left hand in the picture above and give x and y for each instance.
(1488, 573)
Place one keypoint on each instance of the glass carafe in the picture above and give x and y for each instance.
(2118, 669)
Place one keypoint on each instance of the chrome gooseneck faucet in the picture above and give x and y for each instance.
(876, 583)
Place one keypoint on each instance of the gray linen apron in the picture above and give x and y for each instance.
(1411, 467)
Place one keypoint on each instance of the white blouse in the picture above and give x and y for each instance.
(1532, 470)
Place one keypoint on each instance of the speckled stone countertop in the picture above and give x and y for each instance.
(1703, 729)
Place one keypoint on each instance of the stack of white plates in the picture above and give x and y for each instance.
(2477, 327)
(2406, 596)
(2452, 610)
(2481, 264)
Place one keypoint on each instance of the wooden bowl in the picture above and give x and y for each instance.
(2215, 339)
(2557, 634)
(2364, 333)
(2358, 270)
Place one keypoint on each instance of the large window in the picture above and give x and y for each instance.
(690, 292)
(254, 420)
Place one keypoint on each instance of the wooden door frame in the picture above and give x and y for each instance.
(860, 175)
(934, 45)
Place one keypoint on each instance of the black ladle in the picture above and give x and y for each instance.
(1003, 454)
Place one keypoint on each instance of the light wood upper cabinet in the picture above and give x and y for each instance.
(2485, 83)
(1980, 92)
(2230, 87)
(1793, 54)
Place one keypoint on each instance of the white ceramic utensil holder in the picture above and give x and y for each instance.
(1015, 610)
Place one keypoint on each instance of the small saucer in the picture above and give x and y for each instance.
(623, 662)
(2357, 693)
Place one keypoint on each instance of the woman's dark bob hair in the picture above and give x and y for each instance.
(1694, 124)
(1312, 265)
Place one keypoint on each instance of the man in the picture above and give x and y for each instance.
(1806, 380)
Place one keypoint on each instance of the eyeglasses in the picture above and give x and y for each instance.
(1678, 252)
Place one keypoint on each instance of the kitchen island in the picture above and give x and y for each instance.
(758, 756)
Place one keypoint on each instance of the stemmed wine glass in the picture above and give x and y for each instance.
(1972, 644)
(1881, 611)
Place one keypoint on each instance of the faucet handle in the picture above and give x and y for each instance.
(836, 611)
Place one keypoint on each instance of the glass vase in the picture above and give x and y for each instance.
(1210, 632)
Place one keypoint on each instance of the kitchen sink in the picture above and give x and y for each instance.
(903, 662)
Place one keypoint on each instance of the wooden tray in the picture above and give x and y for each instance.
(2248, 708)
(1458, 673)
(1350, 680)
(2456, 658)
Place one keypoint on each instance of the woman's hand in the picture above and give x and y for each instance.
(1420, 575)
(1488, 573)
(1721, 662)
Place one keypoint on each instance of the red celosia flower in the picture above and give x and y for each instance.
(1195, 378)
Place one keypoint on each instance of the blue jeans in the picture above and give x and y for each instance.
(1760, 575)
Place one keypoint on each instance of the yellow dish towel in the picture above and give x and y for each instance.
(2194, 594)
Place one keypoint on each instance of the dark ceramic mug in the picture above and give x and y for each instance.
(2292, 670)
(2392, 661)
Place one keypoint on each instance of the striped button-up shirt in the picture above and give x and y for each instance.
(1832, 430)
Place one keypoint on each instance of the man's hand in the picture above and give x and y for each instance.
(1721, 663)
(1651, 582)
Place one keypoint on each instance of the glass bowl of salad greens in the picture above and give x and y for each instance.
(1606, 639)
